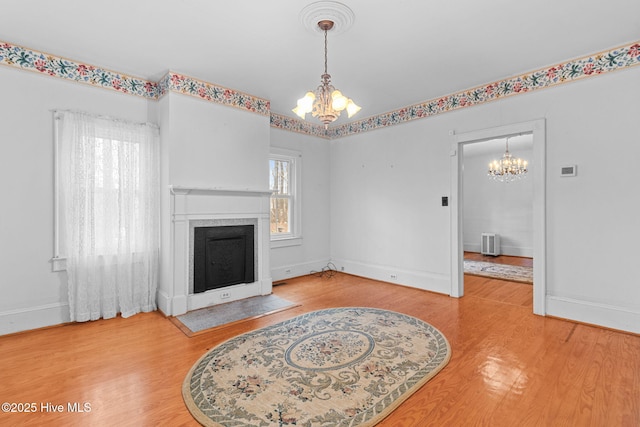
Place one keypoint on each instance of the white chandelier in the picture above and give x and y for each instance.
(508, 168)
(326, 102)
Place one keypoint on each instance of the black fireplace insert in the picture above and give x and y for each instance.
(223, 256)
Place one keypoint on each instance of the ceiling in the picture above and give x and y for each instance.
(397, 53)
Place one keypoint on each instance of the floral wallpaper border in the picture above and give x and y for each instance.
(213, 93)
(295, 125)
(589, 66)
(614, 59)
(55, 66)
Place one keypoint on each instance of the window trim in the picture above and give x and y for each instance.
(294, 237)
(59, 261)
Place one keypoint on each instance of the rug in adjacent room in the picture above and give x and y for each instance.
(204, 319)
(514, 273)
(348, 366)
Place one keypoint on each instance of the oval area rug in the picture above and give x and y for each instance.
(348, 366)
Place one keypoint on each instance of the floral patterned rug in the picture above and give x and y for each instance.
(348, 366)
(513, 273)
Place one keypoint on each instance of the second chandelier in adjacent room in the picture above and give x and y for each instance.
(508, 168)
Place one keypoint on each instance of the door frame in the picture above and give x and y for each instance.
(538, 163)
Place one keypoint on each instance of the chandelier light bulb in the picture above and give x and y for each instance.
(339, 101)
(306, 103)
(352, 108)
(299, 112)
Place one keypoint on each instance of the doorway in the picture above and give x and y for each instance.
(537, 129)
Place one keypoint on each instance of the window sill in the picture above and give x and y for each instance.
(284, 242)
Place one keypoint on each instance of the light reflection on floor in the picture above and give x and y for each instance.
(501, 375)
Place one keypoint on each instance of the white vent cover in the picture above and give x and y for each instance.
(490, 244)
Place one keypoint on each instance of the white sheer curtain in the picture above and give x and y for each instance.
(109, 207)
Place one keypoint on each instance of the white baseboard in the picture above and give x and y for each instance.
(179, 305)
(164, 302)
(516, 251)
(296, 270)
(433, 282)
(504, 250)
(225, 295)
(472, 247)
(33, 317)
(608, 316)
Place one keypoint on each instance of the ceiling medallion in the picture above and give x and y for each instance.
(338, 13)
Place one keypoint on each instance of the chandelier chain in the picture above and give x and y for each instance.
(325, 51)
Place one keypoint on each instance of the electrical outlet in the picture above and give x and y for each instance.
(224, 295)
(394, 276)
(288, 270)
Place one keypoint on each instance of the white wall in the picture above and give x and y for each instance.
(212, 145)
(593, 226)
(496, 207)
(386, 187)
(313, 253)
(32, 295)
(387, 221)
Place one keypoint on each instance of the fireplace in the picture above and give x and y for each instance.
(222, 256)
(192, 208)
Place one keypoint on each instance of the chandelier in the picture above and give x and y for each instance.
(326, 102)
(508, 168)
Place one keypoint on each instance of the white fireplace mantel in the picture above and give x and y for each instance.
(197, 206)
(182, 191)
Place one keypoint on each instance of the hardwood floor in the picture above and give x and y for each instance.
(499, 290)
(508, 366)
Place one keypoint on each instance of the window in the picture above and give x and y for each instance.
(284, 182)
(113, 167)
(111, 184)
